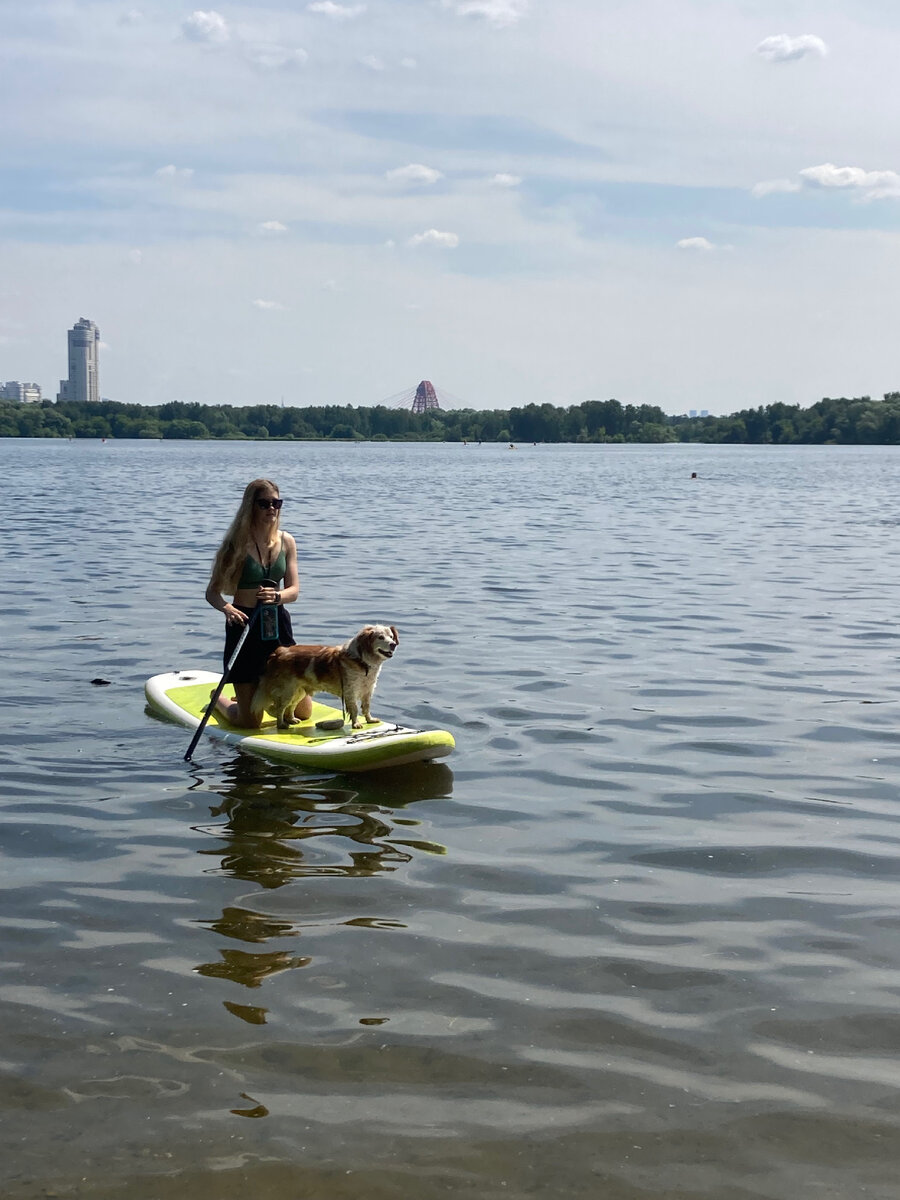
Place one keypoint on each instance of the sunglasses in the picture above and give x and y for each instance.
(267, 504)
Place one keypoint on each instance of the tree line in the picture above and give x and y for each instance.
(843, 421)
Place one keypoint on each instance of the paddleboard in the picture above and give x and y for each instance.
(183, 696)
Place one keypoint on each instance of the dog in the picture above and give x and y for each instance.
(349, 671)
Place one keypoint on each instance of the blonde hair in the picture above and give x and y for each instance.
(229, 561)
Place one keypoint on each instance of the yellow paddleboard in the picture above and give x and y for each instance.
(183, 696)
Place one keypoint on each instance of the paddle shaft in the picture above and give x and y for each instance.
(218, 692)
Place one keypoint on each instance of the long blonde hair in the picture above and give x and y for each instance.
(229, 561)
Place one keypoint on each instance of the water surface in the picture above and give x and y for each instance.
(639, 938)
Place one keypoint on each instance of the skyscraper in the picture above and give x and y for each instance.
(84, 363)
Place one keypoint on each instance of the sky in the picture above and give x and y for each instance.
(687, 203)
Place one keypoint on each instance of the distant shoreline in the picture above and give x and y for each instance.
(857, 421)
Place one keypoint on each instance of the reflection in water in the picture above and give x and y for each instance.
(247, 926)
(250, 970)
(251, 1013)
(258, 1110)
(279, 827)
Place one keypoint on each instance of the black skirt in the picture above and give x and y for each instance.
(251, 662)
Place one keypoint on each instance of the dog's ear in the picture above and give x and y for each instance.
(393, 629)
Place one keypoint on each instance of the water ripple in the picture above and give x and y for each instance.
(639, 938)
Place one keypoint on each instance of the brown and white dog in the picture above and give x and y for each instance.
(349, 671)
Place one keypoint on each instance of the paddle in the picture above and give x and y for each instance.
(218, 692)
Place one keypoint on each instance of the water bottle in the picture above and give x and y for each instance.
(268, 616)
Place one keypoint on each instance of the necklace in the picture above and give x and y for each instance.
(265, 565)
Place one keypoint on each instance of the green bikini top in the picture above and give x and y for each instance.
(254, 572)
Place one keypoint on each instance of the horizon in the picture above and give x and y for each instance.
(533, 204)
(700, 414)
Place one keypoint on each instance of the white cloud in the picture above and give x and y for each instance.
(134, 16)
(700, 244)
(505, 180)
(498, 13)
(271, 227)
(337, 12)
(890, 191)
(770, 187)
(268, 305)
(372, 61)
(210, 27)
(434, 237)
(875, 184)
(414, 173)
(136, 257)
(272, 57)
(408, 64)
(170, 171)
(782, 48)
(870, 185)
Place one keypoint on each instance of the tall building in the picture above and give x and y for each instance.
(27, 393)
(84, 363)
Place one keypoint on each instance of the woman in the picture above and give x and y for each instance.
(255, 549)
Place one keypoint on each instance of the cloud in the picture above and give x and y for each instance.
(134, 16)
(770, 187)
(869, 185)
(268, 305)
(271, 227)
(270, 56)
(498, 13)
(434, 237)
(170, 171)
(136, 257)
(875, 184)
(505, 180)
(408, 64)
(337, 12)
(782, 48)
(209, 27)
(414, 173)
(700, 244)
(372, 61)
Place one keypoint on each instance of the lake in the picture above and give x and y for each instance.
(638, 938)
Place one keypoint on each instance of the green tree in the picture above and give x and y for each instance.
(57, 424)
(92, 427)
(182, 428)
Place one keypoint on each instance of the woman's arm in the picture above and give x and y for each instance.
(220, 604)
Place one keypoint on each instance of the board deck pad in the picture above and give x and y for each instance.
(183, 696)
